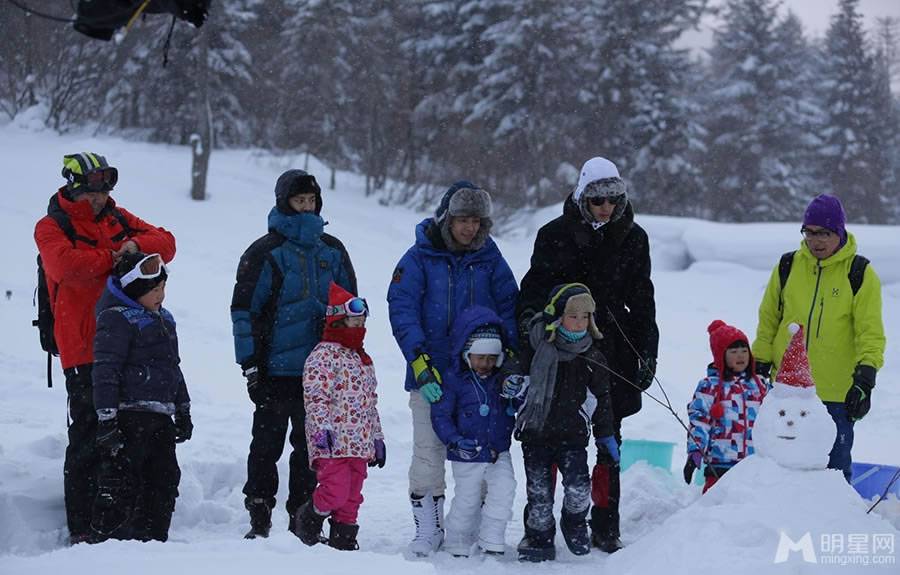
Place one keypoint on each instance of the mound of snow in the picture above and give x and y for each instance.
(738, 524)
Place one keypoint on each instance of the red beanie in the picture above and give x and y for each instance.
(721, 336)
(794, 369)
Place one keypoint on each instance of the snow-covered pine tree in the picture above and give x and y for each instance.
(165, 101)
(754, 111)
(449, 46)
(640, 90)
(315, 73)
(854, 165)
(527, 97)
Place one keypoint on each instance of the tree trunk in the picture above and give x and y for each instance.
(201, 140)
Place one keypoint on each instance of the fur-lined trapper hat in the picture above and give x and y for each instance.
(464, 199)
(600, 179)
(570, 298)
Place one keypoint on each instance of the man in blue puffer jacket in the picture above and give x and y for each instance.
(277, 312)
(453, 265)
(475, 418)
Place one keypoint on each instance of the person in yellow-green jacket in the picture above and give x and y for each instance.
(836, 295)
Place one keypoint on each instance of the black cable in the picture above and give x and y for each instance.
(168, 41)
(44, 15)
(668, 403)
(706, 457)
(886, 490)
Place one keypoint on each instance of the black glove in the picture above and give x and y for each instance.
(380, 454)
(646, 373)
(859, 396)
(763, 369)
(693, 462)
(256, 387)
(524, 321)
(109, 438)
(184, 427)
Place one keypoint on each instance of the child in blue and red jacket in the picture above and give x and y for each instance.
(724, 406)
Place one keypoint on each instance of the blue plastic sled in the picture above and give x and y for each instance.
(870, 479)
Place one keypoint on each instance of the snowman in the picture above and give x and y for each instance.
(793, 426)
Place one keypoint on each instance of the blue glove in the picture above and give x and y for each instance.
(466, 449)
(607, 445)
(513, 386)
(432, 392)
(427, 378)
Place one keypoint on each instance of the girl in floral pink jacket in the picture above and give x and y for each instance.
(343, 430)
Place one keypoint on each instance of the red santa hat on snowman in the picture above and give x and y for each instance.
(794, 377)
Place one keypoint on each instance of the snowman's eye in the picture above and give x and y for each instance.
(781, 412)
(802, 414)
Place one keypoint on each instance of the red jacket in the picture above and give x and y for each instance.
(76, 275)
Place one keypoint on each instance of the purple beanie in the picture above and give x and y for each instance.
(826, 211)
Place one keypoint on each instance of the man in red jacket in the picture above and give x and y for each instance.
(80, 240)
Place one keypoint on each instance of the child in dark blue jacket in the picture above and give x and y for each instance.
(138, 389)
(474, 418)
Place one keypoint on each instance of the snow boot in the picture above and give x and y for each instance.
(458, 544)
(308, 524)
(537, 546)
(605, 530)
(342, 536)
(575, 532)
(428, 513)
(260, 517)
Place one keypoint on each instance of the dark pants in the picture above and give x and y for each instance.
(270, 425)
(539, 481)
(82, 459)
(137, 488)
(605, 492)
(840, 458)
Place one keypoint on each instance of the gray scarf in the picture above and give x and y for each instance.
(542, 375)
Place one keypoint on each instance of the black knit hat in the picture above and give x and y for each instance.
(139, 286)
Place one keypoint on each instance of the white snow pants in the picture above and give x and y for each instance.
(426, 471)
(466, 509)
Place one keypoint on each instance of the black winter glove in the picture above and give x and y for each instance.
(257, 389)
(763, 369)
(524, 321)
(646, 373)
(693, 462)
(859, 396)
(109, 438)
(184, 427)
(380, 454)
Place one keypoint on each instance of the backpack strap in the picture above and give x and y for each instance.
(65, 224)
(126, 229)
(784, 270)
(857, 272)
(855, 275)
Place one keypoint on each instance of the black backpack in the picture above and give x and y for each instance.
(45, 321)
(855, 275)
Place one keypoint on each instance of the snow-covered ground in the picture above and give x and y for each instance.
(702, 271)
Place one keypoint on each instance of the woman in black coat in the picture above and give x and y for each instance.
(596, 242)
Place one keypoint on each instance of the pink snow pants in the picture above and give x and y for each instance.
(340, 487)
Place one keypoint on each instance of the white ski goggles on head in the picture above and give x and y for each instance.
(147, 269)
(353, 307)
